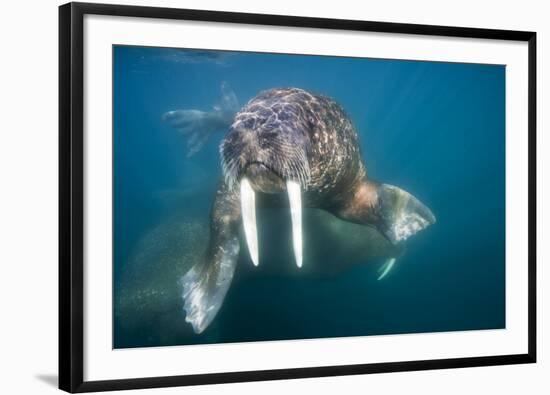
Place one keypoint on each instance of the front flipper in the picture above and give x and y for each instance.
(205, 285)
(394, 212)
(401, 214)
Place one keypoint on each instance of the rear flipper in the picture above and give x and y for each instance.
(206, 284)
(385, 268)
(198, 125)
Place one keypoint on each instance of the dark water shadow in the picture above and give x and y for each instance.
(50, 379)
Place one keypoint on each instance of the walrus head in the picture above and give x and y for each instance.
(265, 152)
(262, 153)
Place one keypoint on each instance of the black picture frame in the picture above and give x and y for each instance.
(71, 204)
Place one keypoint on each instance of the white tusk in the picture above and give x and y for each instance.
(248, 208)
(295, 199)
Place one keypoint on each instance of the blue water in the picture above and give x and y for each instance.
(434, 129)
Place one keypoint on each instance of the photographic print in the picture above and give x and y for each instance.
(249, 197)
(267, 196)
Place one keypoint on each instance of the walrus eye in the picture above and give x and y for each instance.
(249, 123)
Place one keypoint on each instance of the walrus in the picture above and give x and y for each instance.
(290, 148)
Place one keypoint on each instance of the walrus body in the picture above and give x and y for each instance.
(150, 300)
(288, 147)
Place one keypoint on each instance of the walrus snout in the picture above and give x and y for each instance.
(269, 155)
(263, 179)
(259, 156)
